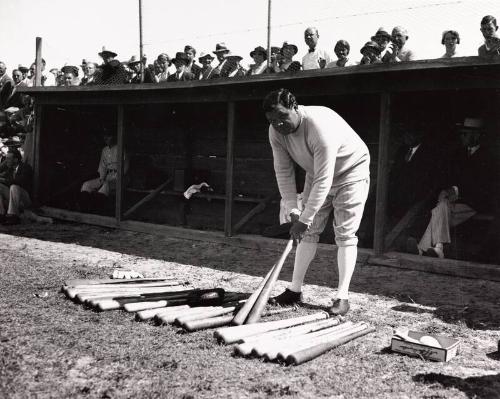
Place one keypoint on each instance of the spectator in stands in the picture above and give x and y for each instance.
(6, 85)
(135, 67)
(259, 55)
(111, 71)
(181, 62)
(382, 37)
(371, 53)
(224, 68)
(491, 46)
(16, 99)
(342, 49)
(206, 66)
(192, 67)
(24, 71)
(48, 79)
(234, 68)
(31, 75)
(316, 57)
(90, 71)
(105, 184)
(471, 187)
(70, 75)
(287, 64)
(163, 61)
(15, 186)
(55, 72)
(398, 50)
(450, 39)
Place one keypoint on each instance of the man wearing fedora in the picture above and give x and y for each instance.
(471, 187)
(223, 69)
(382, 37)
(134, 65)
(286, 62)
(181, 62)
(206, 66)
(371, 53)
(316, 57)
(259, 55)
(111, 70)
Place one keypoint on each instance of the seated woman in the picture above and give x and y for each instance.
(259, 55)
(342, 49)
(450, 40)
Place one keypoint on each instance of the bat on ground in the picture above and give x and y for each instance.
(148, 314)
(110, 281)
(170, 318)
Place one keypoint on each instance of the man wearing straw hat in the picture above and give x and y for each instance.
(336, 162)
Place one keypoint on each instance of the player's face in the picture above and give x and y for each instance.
(284, 120)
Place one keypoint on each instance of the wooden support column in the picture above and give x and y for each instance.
(119, 178)
(382, 172)
(35, 154)
(228, 222)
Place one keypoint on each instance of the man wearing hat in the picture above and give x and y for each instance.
(316, 57)
(286, 62)
(134, 65)
(259, 55)
(24, 70)
(181, 62)
(234, 67)
(111, 70)
(382, 37)
(371, 53)
(398, 51)
(471, 187)
(70, 75)
(206, 66)
(221, 70)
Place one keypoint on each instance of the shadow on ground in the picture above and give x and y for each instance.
(452, 299)
(483, 387)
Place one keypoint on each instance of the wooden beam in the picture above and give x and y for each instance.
(382, 172)
(38, 62)
(147, 198)
(119, 178)
(85, 218)
(254, 211)
(228, 214)
(36, 153)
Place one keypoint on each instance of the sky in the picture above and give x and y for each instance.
(72, 31)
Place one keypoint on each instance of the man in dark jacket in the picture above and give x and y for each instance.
(180, 61)
(15, 185)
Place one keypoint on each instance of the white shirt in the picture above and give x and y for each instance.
(311, 59)
(333, 64)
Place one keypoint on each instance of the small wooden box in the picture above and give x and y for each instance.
(450, 347)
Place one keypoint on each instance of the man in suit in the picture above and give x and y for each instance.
(190, 51)
(471, 187)
(15, 185)
(222, 70)
(206, 66)
(6, 85)
(134, 65)
(16, 99)
(181, 62)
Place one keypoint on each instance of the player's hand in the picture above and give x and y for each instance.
(297, 231)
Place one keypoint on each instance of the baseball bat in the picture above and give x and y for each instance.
(85, 296)
(272, 352)
(313, 352)
(170, 318)
(261, 302)
(72, 291)
(317, 339)
(93, 301)
(182, 319)
(110, 281)
(220, 321)
(138, 306)
(148, 314)
(242, 314)
(233, 334)
(251, 343)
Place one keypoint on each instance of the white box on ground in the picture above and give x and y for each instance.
(449, 347)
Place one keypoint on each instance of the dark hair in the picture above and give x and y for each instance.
(188, 47)
(280, 96)
(343, 43)
(489, 18)
(454, 33)
(16, 153)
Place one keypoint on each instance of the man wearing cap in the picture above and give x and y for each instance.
(259, 55)
(398, 51)
(371, 53)
(336, 161)
(111, 71)
(180, 61)
(70, 75)
(206, 66)
(222, 70)
(472, 187)
(316, 57)
(190, 51)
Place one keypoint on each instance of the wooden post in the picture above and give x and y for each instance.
(141, 49)
(382, 172)
(119, 178)
(37, 129)
(269, 33)
(38, 62)
(228, 223)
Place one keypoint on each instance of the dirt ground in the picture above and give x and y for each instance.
(51, 347)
